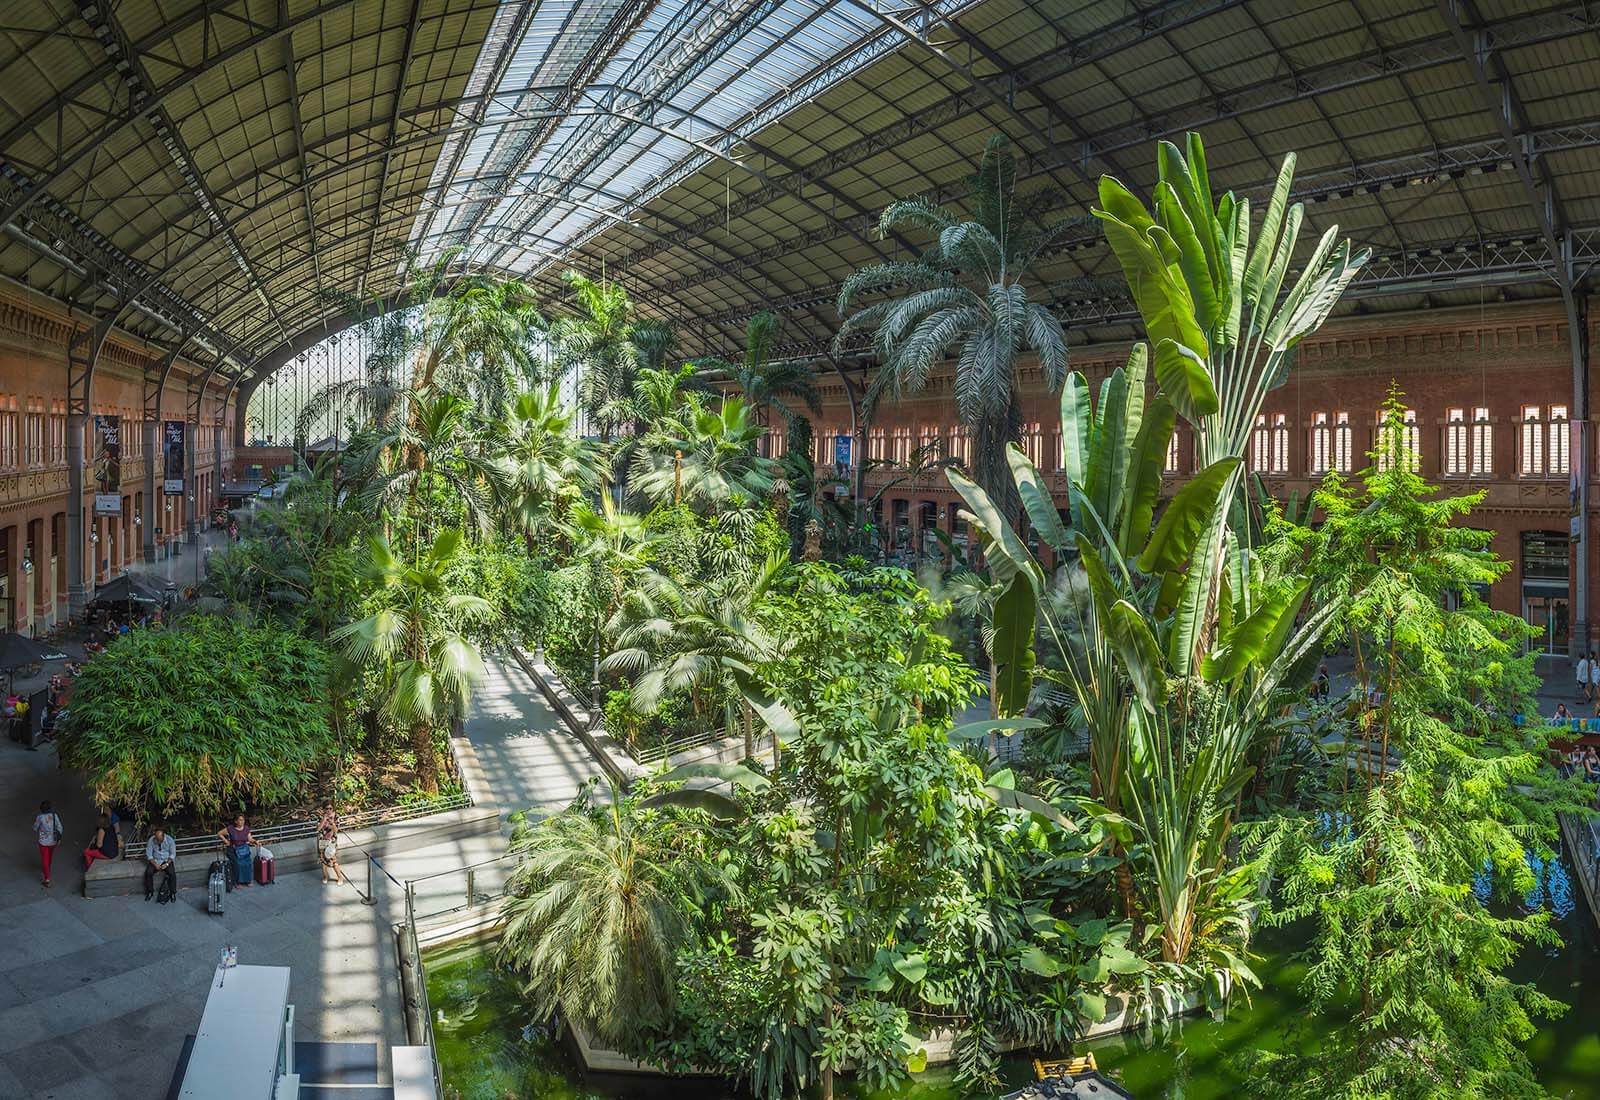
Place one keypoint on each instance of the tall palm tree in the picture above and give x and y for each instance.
(595, 915)
(654, 344)
(611, 546)
(765, 383)
(441, 446)
(966, 297)
(545, 464)
(707, 459)
(596, 343)
(479, 340)
(413, 640)
(674, 636)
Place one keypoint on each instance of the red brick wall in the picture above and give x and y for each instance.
(34, 334)
(1502, 357)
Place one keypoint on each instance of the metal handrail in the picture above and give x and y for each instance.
(666, 748)
(304, 830)
(415, 949)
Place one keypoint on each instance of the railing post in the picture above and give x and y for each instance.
(370, 899)
(472, 893)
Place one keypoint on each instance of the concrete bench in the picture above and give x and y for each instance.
(117, 877)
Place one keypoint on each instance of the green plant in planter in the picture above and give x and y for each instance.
(206, 715)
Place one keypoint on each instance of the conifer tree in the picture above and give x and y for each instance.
(1431, 783)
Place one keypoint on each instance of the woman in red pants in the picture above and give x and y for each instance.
(47, 827)
(105, 845)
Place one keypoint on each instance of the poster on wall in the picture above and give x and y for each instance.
(108, 465)
(172, 457)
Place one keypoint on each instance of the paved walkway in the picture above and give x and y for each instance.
(96, 997)
(529, 759)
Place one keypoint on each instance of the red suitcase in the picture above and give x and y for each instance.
(266, 870)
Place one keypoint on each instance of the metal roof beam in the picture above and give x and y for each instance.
(1568, 20)
(511, 23)
(68, 158)
(660, 74)
(394, 124)
(1391, 174)
(103, 22)
(1119, 35)
(298, 124)
(514, 147)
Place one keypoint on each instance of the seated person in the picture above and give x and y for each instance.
(105, 844)
(1591, 765)
(237, 841)
(1572, 760)
(1562, 716)
(160, 859)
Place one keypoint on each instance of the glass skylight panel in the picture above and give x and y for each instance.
(703, 73)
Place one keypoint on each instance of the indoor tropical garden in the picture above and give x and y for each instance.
(1080, 784)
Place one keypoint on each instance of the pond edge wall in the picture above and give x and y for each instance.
(1121, 1015)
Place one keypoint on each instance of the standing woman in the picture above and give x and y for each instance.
(328, 844)
(1582, 672)
(47, 827)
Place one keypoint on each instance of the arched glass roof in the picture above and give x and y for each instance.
(229, 173)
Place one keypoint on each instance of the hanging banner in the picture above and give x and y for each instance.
(841, 451)
(108, 465)
(172, 457)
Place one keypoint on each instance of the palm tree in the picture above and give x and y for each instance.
(674, 636)
(966, 297)
(596, 344)
(479, 340)
(413, 640)
(654, 344)
(707, 459)
(440, 445)
(595, 915)
(767, 384)
(545, 463)
(611, 546)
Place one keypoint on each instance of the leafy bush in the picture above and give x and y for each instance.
(674, 719)
(567, 632)
(516, 587)
(208, 715)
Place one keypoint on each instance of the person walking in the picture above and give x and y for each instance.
(328, 844)
(1594, 679)
(47, 828)
(1582, 672)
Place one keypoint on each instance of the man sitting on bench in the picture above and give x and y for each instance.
(160, 859)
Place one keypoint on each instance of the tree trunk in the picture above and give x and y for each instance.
(427, 761)
(989, 466)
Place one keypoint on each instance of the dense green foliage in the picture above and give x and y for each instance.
(210, 714)
(870, 876)
(1427, 787)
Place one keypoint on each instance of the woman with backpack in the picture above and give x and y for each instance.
(47, 828)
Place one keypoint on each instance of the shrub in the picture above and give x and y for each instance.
(207, 715)
(567, 632)
(518, 589)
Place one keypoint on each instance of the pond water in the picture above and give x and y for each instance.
(490, 1053)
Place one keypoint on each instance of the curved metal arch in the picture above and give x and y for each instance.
(64, 163)
(189, 256)
(649, 123)
(250, 338)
